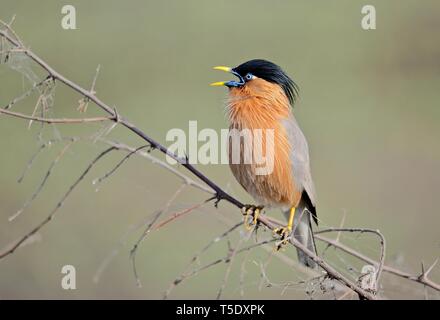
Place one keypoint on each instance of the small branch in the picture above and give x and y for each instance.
(123, 240)
(365, 230)
(333, 273)
(341, 225)
(185, 179)
(386, 268)
(133, 251)
(84, 102)
(108, 174)
(43, 182)
(185, 276)
(200, 252)
(9, 29)
(55, 120)
(25, 94)
(181, 213)
(58, 206)
(39, 150)
(232, 254)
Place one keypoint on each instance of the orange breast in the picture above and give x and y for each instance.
(263, 105)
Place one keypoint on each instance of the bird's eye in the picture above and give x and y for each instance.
(249, 76)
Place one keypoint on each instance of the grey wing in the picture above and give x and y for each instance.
(299, 156)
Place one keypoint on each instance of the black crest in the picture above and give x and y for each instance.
(271, 72)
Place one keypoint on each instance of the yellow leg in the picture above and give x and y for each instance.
(291, 216)
(286, 231)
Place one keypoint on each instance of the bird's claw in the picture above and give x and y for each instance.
(251, 211)
(284, 236)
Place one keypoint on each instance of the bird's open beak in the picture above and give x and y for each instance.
(223, 68)
(228, 83)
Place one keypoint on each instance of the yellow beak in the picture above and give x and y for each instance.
(221, 68)
(219, 83)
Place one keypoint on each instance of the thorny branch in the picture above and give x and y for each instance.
(208, 185)
(424, 280)
(364, 230)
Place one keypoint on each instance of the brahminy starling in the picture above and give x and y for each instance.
(263, 98)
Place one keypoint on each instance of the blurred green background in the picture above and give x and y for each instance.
(369, 107)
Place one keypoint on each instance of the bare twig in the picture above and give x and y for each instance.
(341, 225)
(185, 276)
(58, 206)
(43, 182)
(9, 29)
(108, 174)
(416, 278)
(181, 213)
(39, 150)
(133, 251)
(122, 242)
(333, 273)
(232, 253)
(185, 179)
(365, 230)
(200, 252)
(25, 94)
(84, 102)
(54, 120)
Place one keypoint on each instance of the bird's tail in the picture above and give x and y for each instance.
(302, 231)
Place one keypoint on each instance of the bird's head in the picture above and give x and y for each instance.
(263, 70)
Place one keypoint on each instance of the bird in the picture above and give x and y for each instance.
(263, 97)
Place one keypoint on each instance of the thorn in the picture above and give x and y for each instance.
(341, 225)
(230, 249)
(12, 21)
(116, 115)
(431, 267)
(151, 148)
(92, 89)
(215, 202)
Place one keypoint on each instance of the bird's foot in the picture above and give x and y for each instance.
(251, 211)
(284, 236)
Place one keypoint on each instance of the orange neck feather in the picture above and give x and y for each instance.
(258, 104)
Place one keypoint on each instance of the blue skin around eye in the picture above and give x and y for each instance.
(233, 84)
